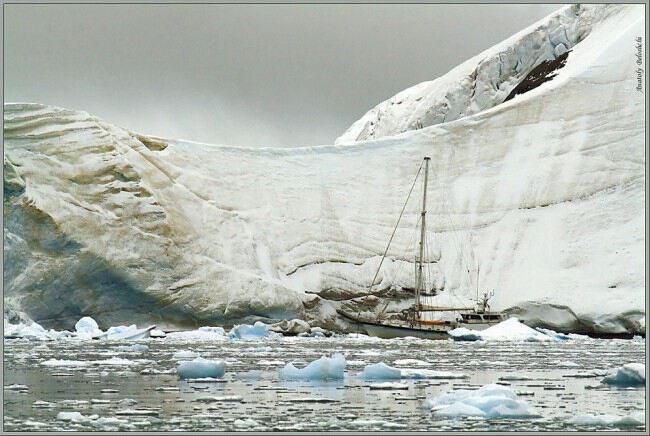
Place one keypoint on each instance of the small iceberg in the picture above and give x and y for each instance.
(248, 332)
(491, 401)
(628, 375)
(381, 371)
(508, 330)
(87, 327)
(325, 368)
(201, 368)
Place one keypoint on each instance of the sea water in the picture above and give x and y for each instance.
(114, 385)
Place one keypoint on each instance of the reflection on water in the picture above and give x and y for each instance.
(104, 379)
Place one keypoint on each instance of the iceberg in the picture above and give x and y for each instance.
(629, 375)
(88, 327)
(509, 330)
(325, 368)
(201, 368)
(259, 330)
(490, 401)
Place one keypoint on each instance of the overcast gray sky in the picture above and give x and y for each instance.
(259, 75)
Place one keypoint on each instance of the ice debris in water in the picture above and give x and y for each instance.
(258, 330)
(325, 368)
(33, 331)
(201, 368)
(207, 333)
(628, 375)
(490, 401)
(587, 419)
(184, 354)
(508, 330)
(75, 417)
(380, 371)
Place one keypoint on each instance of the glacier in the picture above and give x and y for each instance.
(545, 190)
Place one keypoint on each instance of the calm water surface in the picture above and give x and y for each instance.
(139, 391)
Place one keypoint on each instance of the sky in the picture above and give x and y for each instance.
(251, 75)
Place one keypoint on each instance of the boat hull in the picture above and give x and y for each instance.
(389, 331)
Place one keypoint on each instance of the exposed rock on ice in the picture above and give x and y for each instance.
(483, 81)
(629, 375)
(325, 368)
(547, 188)
(292, 327)
(201, 368)
(508, 330)
(491, 401)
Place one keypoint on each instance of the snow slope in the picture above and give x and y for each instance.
(547, 189)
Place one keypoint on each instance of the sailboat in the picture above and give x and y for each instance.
(424, 320)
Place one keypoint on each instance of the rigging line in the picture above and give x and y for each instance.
(391, 237)
(455, 232)
(415, 229)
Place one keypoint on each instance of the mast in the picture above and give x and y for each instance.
(418, 279)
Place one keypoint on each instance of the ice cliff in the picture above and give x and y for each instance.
(546, 190)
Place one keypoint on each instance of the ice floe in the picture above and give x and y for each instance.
(490, 401)
(604, 420)
(325, 368)
(381, 371)
(628, 375)
(201, 368)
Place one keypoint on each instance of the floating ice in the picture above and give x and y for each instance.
(16, 387)
(389, 386)
(206, 333)
(201, 368)
(414, 362)
(420, 373)
(259, 330)
(33, 331)
(136, 348)
(629, 375)
(157, 333)
(491, 401)
(245, 423)
(185, 354)
(75, 417)
(40, 404)
(553, 334)
(325, 368)
(59, 362)
(587, 419)
(87, 327)
(380, 371)
(508, 330)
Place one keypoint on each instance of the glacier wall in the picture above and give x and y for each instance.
(545, 190)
